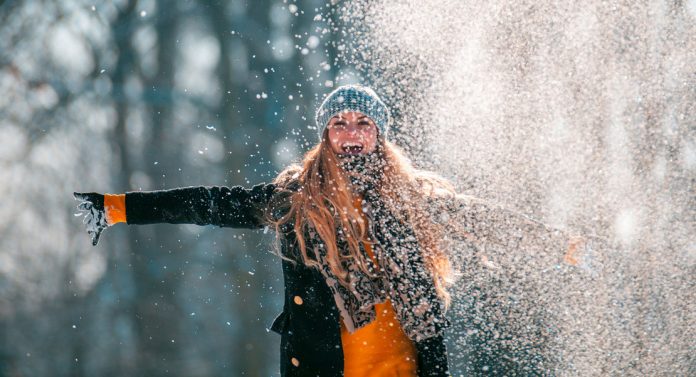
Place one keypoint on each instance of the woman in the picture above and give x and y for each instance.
(360, 236)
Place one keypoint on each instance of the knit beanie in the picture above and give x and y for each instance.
(357, 98)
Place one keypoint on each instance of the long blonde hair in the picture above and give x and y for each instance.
(325, 201)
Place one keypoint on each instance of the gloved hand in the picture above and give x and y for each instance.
(92, 204)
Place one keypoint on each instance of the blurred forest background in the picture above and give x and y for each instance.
(581, 115)
(117, 96)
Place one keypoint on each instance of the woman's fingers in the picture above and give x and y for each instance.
(95, 236)
(93, 197)
(84, 196)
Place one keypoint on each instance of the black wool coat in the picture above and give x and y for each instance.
(309, 323)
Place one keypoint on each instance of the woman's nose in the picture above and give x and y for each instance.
(353, 128)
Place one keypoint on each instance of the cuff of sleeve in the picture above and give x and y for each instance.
(115, 208)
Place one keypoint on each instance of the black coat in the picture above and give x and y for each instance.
(309, 323)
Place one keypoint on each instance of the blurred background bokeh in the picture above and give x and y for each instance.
(116, 96)
(581, 115)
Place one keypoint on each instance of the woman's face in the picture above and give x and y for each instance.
(352, 133)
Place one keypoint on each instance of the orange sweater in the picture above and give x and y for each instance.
(380, 348)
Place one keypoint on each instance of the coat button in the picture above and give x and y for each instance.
(295, 362)
(298, 300)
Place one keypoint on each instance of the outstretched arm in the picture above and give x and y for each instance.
(486, 223)
(493, 223)
(236, 207)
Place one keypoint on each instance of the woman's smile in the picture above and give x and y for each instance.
(352, 147)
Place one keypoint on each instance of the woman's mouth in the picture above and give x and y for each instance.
(352, 147)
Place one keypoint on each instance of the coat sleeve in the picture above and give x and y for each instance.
(235, 207)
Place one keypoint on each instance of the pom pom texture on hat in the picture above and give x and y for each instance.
(354, 98)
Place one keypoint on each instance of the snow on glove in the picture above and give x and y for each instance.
(92, 204)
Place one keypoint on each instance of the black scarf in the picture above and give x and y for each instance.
(403, 276)
(364, 170)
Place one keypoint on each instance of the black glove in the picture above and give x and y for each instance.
(93, 205)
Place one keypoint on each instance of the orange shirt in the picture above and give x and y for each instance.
(380, 348)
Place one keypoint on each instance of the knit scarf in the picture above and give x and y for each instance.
(402, 277)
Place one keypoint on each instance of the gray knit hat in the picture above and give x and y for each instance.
(354, 98)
